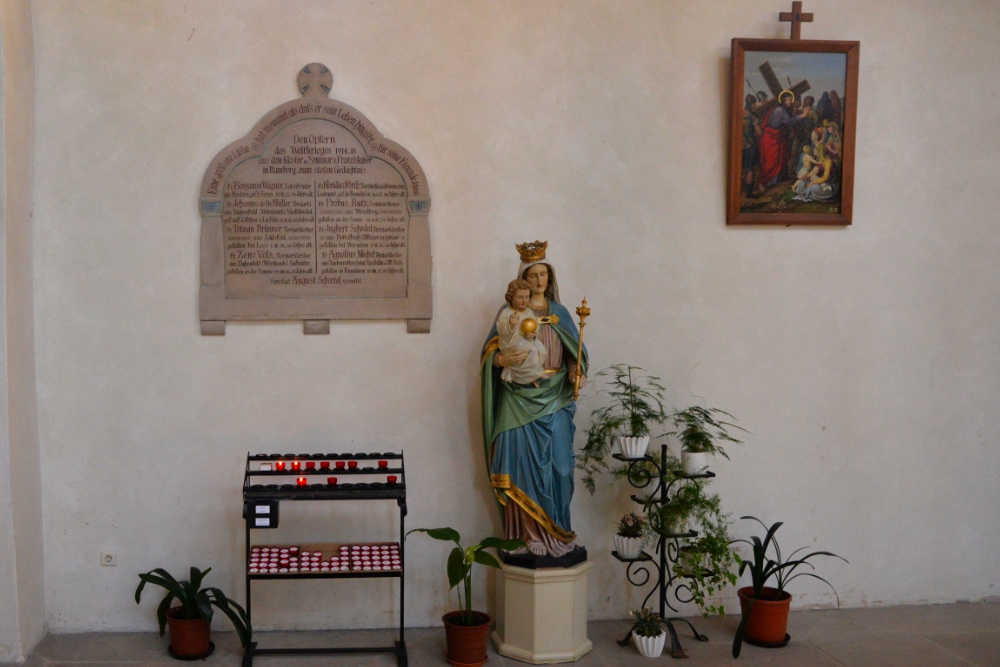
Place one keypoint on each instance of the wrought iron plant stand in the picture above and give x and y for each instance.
(666, 550)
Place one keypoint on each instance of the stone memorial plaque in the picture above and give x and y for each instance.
(315, 216)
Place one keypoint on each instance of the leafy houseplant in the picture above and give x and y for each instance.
(687, 502)
(708, 562)
(648, 632)
(195, 605)
(636, 405)
(631, 525)
(631, 535)
(763, 603)
(714, 561)
(702, 431)
(692, 507)
(467, 625)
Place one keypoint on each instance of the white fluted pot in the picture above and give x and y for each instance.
(633, 447)
(650, 647)
(628, 547)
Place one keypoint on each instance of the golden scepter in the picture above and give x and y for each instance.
(583, 312)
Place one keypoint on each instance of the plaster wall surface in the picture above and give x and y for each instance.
(22, 620)
(864, 360)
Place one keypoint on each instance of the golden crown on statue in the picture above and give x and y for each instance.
(532, 251)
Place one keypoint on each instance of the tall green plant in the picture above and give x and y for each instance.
(691, 507)
(197, 602)
(703, 429)
(636, 404)
(716, 558)
(461, 560)
(764, 568)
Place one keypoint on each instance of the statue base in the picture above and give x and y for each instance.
(542, 614)
(532, 562)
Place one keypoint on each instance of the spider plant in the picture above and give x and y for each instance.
(764, 568)
(197, 602)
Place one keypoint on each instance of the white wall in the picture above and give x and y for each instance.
(22, 619)
(864, 360)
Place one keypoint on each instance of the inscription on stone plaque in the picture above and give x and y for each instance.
(315, 216)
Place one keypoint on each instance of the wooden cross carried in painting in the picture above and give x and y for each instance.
(775, 85)
(796, 17)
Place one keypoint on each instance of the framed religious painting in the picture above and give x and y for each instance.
(793, 115)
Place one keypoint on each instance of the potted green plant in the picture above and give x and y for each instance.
(765, 608)
(636, 405)
(690, 503)
(631, 535)
(190, 620)
(467, 631)
(648, 632)
(702, 431)
(710, 561)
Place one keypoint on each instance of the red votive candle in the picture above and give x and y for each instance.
(391, 479)
(296, 465)
(280, 465)
(383, 464)
(302, 481)
(352, 464)
(310, 466)
(325, 465)
(340, 465)
(331, 481)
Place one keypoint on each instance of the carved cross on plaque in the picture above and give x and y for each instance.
(796, 17)
(315, 80)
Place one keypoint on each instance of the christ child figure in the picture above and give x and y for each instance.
(517, 328)
(808, 165)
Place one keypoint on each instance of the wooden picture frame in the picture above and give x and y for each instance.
(768, 136)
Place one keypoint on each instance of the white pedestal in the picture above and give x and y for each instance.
(542, 614)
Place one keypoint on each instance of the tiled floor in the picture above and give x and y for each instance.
(954, 634)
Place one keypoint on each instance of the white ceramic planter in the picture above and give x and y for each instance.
(690, 561)
(633, 447)
(694, 462)
(628, 547)
(650, 647)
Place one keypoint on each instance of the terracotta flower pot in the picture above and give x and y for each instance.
(768, 622)
(188, 638)
(466, 643)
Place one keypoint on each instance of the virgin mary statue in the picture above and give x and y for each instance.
(528, 430)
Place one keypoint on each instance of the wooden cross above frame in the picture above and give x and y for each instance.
(796, 17)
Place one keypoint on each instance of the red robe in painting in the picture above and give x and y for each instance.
(773, 150)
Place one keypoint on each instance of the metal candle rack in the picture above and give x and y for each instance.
(264, 490)
(666, 549)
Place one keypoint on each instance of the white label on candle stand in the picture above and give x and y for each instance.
(263, 509)
(263, 522)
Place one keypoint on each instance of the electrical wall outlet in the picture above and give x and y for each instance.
(109, 558)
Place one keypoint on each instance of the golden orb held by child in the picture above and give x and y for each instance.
(529, 326)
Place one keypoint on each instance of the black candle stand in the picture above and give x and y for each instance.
(264, 490)
(666, 549)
